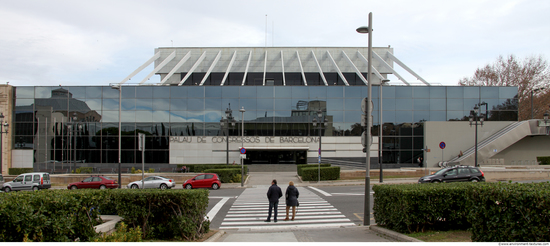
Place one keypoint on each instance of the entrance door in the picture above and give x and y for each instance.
(268, 156)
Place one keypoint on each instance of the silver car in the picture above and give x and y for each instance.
(29, 181)
(153, 182)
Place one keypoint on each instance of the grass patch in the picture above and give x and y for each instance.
(443, 236)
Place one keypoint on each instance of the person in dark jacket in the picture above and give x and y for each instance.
(291, 195)
(273, 194)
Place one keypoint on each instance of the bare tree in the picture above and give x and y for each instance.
(528, 75)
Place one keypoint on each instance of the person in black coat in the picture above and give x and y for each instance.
(291, 195)
(273, 194)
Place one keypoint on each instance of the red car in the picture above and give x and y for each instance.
(94, 182)
(205, 180)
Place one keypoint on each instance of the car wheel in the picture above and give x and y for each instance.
(7, 189)
(188, 186)
(102, 187)
(74, 187)
(474, 180)
(35, 188)
(215, 186)
(435, 181)
(163, 186)
(134, 186)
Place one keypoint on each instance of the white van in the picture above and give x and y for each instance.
(29, 181)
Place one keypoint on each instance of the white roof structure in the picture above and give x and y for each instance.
(176, 65)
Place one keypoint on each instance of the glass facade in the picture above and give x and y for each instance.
(81, 122)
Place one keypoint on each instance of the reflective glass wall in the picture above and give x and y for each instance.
(80, 123)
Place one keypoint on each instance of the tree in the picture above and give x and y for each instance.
(528, 75)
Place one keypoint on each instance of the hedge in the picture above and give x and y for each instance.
(200, 168)
(227, 175)
(17, 171)
(301, 166)
(327, 173)
(544, 160)
(493, 212)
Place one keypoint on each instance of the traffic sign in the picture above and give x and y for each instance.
(243, 151)
(442, 145)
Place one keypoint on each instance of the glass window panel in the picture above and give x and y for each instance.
(144, 116)
(94, 92)
(438, 115)
(283, 91)
(109, 116)
(128, 92)
(213, 116)
(403, 92)
(283, 104)
(264, 129)
(421, 104)
(144, 92)
(471, 92)
(215, 104)
(78, 91)
(375, 91)
(248, 104)
(24, 102)
(178, 91)
(213, 129)
(178, 116)
(470, 103)
(232, 103)
(265, 92)
(283, 129)
(455, 104)
(507, 92)
(334, 92)
(144, 104)
(421, 92)
(388, 116)
(195, 91)
(128, 116)
(110, 104)
(437, 92)
(375, 105)
(507, 104)
(352, 91)
(24, 92)
(403, 116)
(43, 92)
(195, 104)
(299, 92)
(247, 91)
(421, 116)
(489, 92)
(403, 104)
(456, 115)
(337, 116)
(146, 127)
(109, 92)
(161, 92)
(282, 116)
(94, 104)
(352, 104)
(455, 92)
(352, 116)
(491, 103)
(230, 92)
(161, 116)
(265, 104)
(317, 92)
(128, 104)
(177, 104)
(335, 104)
(213, 91)
(388, 104)
(195, 116)
(438, 104)
(388, 92)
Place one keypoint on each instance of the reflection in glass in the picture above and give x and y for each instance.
(24, 92)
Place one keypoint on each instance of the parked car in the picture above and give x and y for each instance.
(205, 180)
(154, 182)
(455, 174)
(94, 182)
(29, 181)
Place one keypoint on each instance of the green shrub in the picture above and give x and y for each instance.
(151, 170)
(84, 170)
(226, 175)
(122, 234)
(544, 160)
(327, 173)
(302, 166)
(17, 171)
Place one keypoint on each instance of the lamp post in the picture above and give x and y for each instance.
(368, 30)
(225, 123)
(119, 88)
(242, 144)
(477, 121)
(3, 130)
(380, 123)
(534, 90)
(320, 121)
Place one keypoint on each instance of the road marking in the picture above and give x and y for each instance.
(217, 207)
(320, 191)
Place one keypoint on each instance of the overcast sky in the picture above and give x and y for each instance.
(100, 42)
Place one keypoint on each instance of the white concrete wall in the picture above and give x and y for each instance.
(525, 151)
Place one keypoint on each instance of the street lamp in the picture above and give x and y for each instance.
(119, 88)
(476, 119)
(368, 30)
(242, 144)
(2, 132)
(380, 124)
(320, 122)
(225, 123)
(534, 90)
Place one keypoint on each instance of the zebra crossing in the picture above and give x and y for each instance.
(251, 208)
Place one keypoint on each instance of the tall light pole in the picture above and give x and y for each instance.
(368, 30)
(226, 122)
(3, 130)
(320, 121)
(119, 88)
(476, 120)
(242, 144)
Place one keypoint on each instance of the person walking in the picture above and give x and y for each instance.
(273, 194)
(291, 196)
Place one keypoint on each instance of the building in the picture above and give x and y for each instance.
(281, 90)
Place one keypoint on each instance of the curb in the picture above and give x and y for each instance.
(393, 235)
(215, 237)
